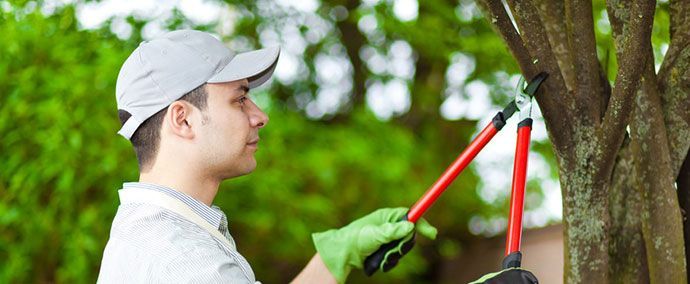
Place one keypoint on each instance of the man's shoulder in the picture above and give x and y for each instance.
(154, 227)
(151, 244)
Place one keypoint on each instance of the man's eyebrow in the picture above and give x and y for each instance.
(243, 88)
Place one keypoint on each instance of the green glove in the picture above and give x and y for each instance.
(347, 247)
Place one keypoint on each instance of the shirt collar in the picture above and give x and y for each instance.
(212, 215)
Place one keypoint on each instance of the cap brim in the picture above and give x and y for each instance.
(257, 66)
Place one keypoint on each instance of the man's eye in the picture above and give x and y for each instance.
(242, 99)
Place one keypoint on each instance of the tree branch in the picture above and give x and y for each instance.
(631, 61)
(618, 12)
(680, 33)
(680, 17)
(552, 97)
(674, 84)
(683, 182)
(552, 14)
(537, 42)
(500, 20)
(661, 220)
(583, 47)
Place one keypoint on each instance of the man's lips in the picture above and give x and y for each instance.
(253, 142)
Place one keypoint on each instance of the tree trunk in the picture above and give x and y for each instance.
(621, 212)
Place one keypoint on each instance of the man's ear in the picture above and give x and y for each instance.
(179, 119)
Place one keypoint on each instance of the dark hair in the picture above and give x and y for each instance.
(146, 138)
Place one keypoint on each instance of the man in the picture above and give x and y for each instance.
(183, 101)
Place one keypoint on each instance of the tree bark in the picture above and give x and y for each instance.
(628, 263)
(674, 84)
(552, 14)
(621, 214)
(582, 45)
(683, 183)
(661, 218)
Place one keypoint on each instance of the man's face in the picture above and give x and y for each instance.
(229, 135)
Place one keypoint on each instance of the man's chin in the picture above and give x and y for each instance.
(247, 169)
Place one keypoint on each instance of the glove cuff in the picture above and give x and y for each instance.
(334, 259)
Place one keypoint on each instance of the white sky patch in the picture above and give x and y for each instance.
(121, 28)
(401, 63)
(661, 54)
(460, 68)
(397, 60)
(6, 6)
(456, 104)
(479, 100)
(318, 28)
(367, 24)
(334, 76)
(291, 66)
(538, 126)
(399, 96)
(467, 11)
(375, 61)
(553, 199)
(291, 39)
(330, 69)
(328, 100)
(603, 23)
(202, 11)
(479, 225)
(270, 37)
(405, 10)
(308, 6)
(94, 14)
(370, 3)
(153, 29)
(286, 69)
(473, 102)
(664, 49)
(388, 99)
(47, 7)
(454, 107)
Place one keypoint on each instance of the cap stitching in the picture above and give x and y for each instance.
(153, 80)
(203, 55)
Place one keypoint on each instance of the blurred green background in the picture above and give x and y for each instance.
(370, 102)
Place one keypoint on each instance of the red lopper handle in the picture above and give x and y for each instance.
(418, 209)
(517, 196)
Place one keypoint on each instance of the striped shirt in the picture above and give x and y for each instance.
(151, 244)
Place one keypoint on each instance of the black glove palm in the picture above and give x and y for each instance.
(508, 276)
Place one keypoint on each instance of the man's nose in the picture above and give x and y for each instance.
(258, 117)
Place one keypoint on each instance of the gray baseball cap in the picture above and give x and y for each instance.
(162, 70)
